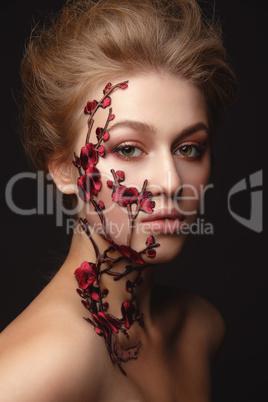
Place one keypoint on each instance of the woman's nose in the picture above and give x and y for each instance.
(164, 176)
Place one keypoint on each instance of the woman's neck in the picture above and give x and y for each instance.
(82, 250)
(116, 291)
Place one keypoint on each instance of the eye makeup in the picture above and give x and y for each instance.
(191, 151)
(128, 151)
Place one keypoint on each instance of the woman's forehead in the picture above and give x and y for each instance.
(154, 101)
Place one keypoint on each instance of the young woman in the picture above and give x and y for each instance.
(121, 99)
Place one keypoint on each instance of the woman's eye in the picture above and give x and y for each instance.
(129, 151)
(190, 151)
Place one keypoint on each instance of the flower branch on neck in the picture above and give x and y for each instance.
(89, 274)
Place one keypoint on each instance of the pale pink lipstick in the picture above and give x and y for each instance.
(164, 221)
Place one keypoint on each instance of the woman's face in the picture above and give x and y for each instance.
(159, 133)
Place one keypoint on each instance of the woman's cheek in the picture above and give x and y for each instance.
(194, 177)
(116, 218)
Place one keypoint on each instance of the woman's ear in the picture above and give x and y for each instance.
(63, 177)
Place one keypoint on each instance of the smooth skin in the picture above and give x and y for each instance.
(49, 353)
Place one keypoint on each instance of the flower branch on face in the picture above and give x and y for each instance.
(89, 274)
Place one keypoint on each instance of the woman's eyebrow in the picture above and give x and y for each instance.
(145, 127)
(194, 129)
(134, 125)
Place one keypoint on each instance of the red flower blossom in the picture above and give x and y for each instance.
(81, 293)
(146, 205)
(150, 253)
(130, 254)
(106, 102)
(86, 274)
(110, 184)
(101, 205)
(120, 175)
(99, 131)
(89, 184)
(99, 134)
(105, 324)
(123, 86)
(88, 156)
(90, 107)
(125, 195)
(95, 296)
(128, 310)
(104, 292)
(112, 117)
(106, 137)
(107, 87)
(101, 151)
(127, 252)
(150, 240)
(85, 304)
(93, 175)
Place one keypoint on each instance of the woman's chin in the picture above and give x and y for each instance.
(168, 247)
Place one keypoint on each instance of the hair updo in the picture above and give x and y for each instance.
(91, 42)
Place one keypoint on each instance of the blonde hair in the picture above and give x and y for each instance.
(90, 42)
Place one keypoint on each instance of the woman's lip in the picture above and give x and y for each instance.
(165, 221)
(164, 214)
(163, 226)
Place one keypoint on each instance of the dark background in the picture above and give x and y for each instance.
(229, 268)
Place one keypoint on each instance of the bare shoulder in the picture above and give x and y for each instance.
(196, 320)
(204, 321)
(49, 357)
